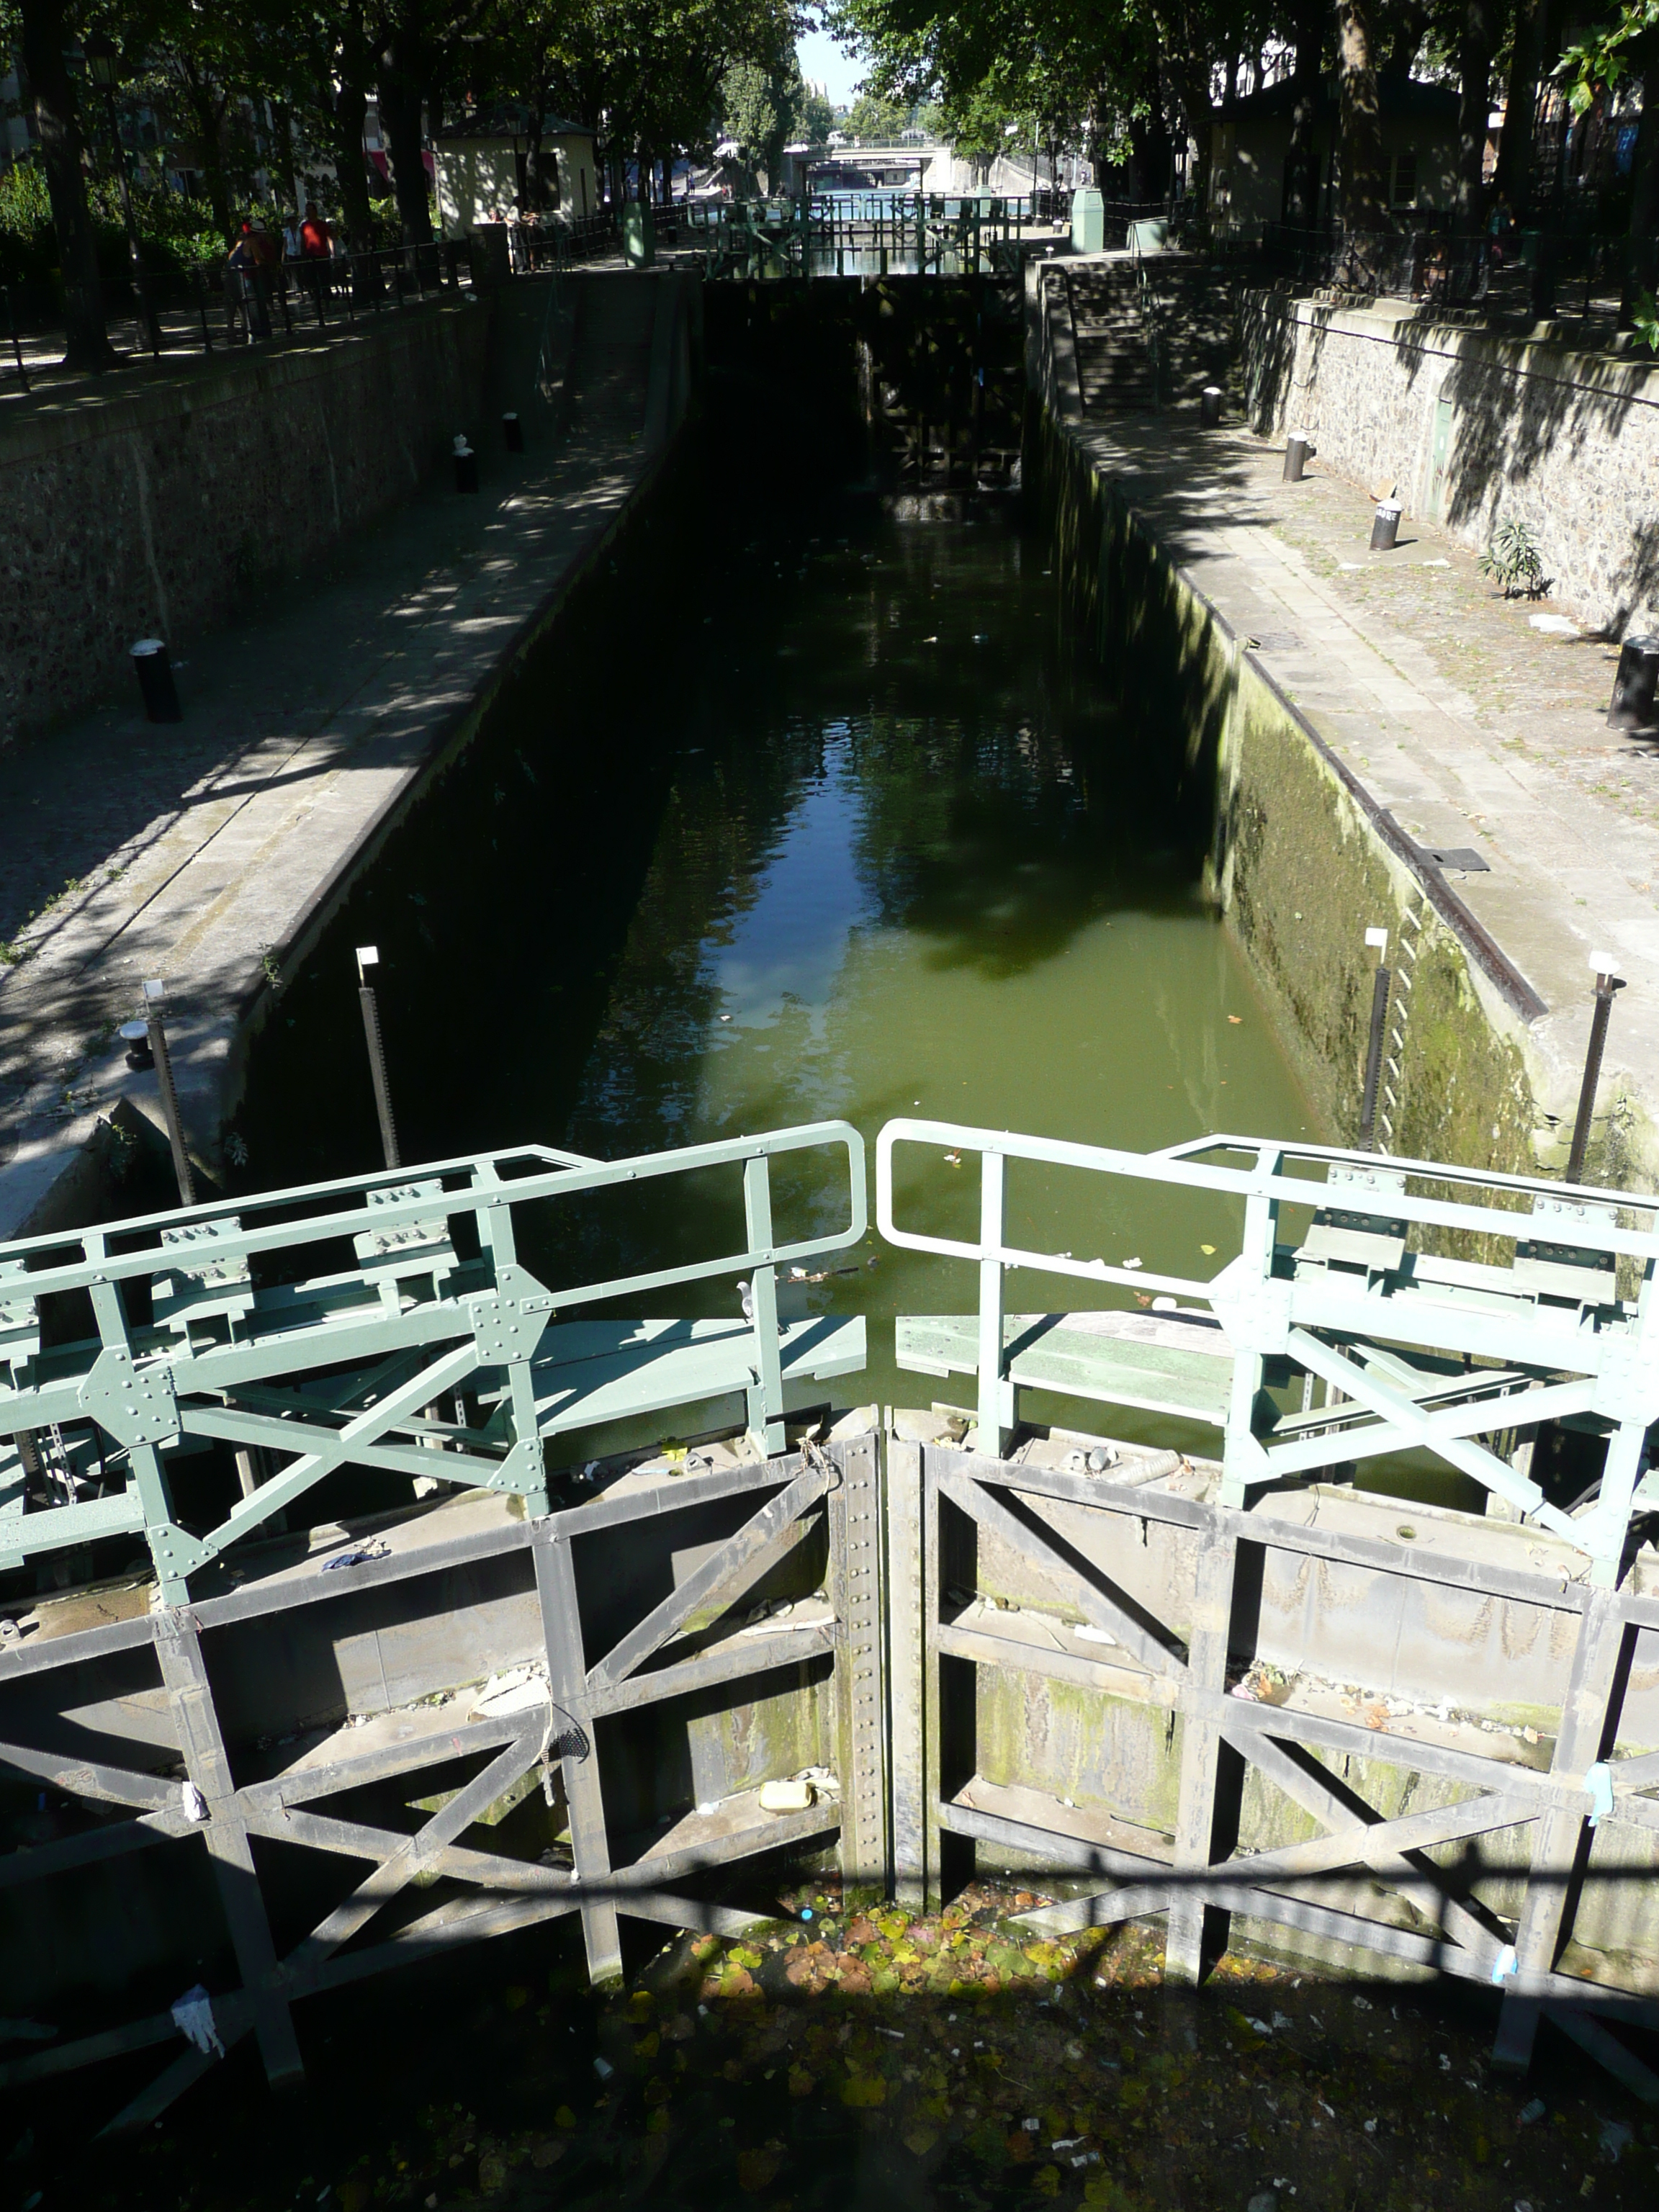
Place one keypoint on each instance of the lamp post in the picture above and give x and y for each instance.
(101, 59)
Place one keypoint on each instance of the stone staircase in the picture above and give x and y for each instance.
(1152, 337)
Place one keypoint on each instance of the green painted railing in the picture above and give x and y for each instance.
(317, 1329)
(1417, 1348)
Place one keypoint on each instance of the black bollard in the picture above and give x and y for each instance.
(513, 431)
(153, 670)
(1385, 528)
(1210, 406)
(135, 1038)
(1635, 685)
(466, 466)
(1297, 446)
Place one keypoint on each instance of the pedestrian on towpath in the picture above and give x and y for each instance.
(245, 280)
(316, 247)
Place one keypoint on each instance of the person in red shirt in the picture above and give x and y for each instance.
(316, 249)
(316, 239)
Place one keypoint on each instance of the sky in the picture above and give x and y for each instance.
(823, 62)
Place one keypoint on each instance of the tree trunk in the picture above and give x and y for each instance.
(1641, 267)
(1302, 156)
(402, 83)
(539, 170)
(1192, 88)
(1474, 51)
(44, 37)
(1514, 178)
(207, 113)
(351, 107)
(1152, 153)
(1363, 200)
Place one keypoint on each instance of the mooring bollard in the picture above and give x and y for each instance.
(1604, 967)
(135, 1038)
(367, 958)
(156, 991)
(513, 431)
(1635, 686)
(151, 665)
(1297, 446)
(1210, 406)
(1385, 526)
(466, 465)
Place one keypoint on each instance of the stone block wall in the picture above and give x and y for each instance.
(160, 507)
(1476, 430)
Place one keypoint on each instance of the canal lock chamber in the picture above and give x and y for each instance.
(835, 790)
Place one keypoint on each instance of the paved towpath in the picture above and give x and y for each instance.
(1475, 728)
(201, 852)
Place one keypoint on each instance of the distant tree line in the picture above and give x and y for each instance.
(281, 89)
(1121, 78)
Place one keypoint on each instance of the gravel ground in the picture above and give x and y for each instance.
(846, 2057)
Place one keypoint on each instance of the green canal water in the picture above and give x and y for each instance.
(845, 826)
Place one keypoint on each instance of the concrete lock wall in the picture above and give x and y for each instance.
(221, 481)
(1476, 430)
(1295, 849)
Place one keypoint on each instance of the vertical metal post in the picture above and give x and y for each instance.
(567, 1676)
(1241, 1452)
(862, 1616)
(207, 1762)
(369, 958)
(1377, 938)
(155, 1029)
(1605, 984)
(996, 1397)
(909, 1579)
(766, 1394)
(1373, 1060)
(1200, 1754)
(1586, 1725)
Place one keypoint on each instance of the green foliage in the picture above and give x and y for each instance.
(1644, 320)
(873, 121)
(176, 233)
(1514, 562)
(1600, 59)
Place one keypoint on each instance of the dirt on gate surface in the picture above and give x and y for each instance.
(866, 2058)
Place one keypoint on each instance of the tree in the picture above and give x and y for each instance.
(1364, 192)
(46, 34)
(1514, 179)
(1477, 41)
(817, 119)
(1311, 26)
(760, 108)
(873, 121)
(1628, 47)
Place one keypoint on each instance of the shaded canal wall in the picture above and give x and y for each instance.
(1299, 856)
(208, 486)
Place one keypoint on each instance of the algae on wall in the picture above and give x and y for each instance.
(1294, 865)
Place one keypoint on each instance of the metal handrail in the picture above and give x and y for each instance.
(1272, 1308)
(140, 1386)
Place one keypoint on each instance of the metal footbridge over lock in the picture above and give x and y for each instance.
(642, 1613)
